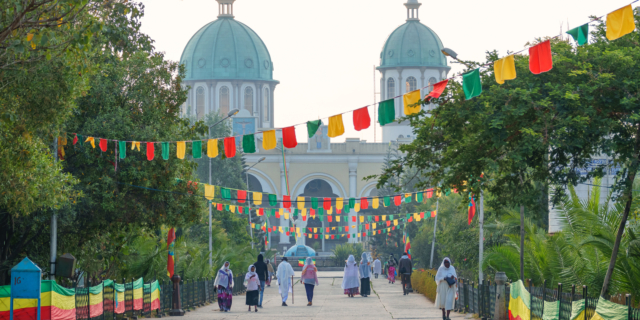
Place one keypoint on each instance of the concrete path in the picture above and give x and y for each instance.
(385, 302)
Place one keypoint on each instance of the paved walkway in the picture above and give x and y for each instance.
(329, 302)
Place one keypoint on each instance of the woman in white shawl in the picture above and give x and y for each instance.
(377, 267)
(351, 280)
(224, 286)
(284, 273)
(365, 275)
(252, 283)
(446, 293)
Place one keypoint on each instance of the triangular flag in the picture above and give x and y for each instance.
(361, 119)
(540, 59)
(409, 100)
(620, 22)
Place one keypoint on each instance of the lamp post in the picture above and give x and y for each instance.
(229, 115)
(247, 175)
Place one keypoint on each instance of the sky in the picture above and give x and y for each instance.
(324, 52)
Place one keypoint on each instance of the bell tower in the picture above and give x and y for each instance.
(225, 8)
(412, 10)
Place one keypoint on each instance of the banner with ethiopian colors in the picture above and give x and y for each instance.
(519, 308)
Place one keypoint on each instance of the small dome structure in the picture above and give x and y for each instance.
(300, 251)
(412, 44)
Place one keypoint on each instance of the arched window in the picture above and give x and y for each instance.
(248, 99)
(391, 88)
(200, 102)
(224, 100)
(265, 105)
(412, 84)
(432, 81)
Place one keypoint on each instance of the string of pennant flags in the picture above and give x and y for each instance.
(618, 23)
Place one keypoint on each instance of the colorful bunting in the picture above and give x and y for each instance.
(540, 59)
(438, 89)
(504, 69)
(361, 119)
(241, 196)
(286, 201)
(336, 127)
(471, 84)
(409, 100)
(230, 147)
(620, 22)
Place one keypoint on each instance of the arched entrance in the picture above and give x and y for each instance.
(319, 188)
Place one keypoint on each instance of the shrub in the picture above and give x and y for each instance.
(342, 252)
(422, 282)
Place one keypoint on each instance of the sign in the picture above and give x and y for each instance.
(25, 283)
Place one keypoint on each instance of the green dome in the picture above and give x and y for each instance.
(227, 49)
(412, 45)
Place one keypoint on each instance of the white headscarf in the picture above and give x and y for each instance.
(444, 272)
(308, 263)
(249, 274)
(351, 260)
(223, 276)
(350, 278)
(364, 258)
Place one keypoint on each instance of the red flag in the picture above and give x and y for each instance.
(472, 208)
(429, 193)
(171, 237)
(361, 119)
(330, 218)
(364, 204)
(240, 210)
(540, 59)
(286, 202)
(150, 151)
(397, 200)
(377, 218)
(332, 236)
(353, 218)
(388, 223)
(315, 236)
(103, 145)
(379, 231)
(288, 233)
(312, 212)
(366, 226)
(310, 229)
(327, 230)
(421, 215)
(261, 210)
(410, 219)
(326, 203)
(364, 234)
(242, 196)
(230, 147)
(304, 218)
(219, 207)
(433, 214)
(75, 139)
(289, 137)
(277, 214)
(438, 88)
(348, 235)
(393, 228)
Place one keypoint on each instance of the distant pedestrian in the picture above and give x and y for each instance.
(447, 281)
(263, 273)
(224, 285)
(285, 283)
(252, 282)
(392, 263)
(310, 279)
(405, 268)
(365, 276)
(377, 267)
(350, 279)
(271, 272)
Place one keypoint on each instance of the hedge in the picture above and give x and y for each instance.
(422, 282)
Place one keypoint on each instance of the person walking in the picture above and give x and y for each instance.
(285, 274)
(391, 269)
(252, 282)
(447, 282)
(350, 280)
(377, 267)
(271, 272)
(224, 285)
(405, 268)
(263, 273)
(310, 279)
(365, 276)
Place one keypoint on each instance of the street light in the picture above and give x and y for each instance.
(229, 115)
(247, 175)
(450, 53)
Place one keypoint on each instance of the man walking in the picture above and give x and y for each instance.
(263, 274)
(404, 269)
(285, 274)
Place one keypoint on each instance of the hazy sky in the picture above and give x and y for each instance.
(324, 52)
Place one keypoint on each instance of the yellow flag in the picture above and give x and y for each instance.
(253, 225)
(315, 230)
(304, 212)
(281, 212)
(92, 140)
(356, 207)
(209, 191)
(361, 219)
(280, 229)
(181, 149)
(338, 218)
(286, 215)
(269, 139)
(374, 225)
(395, 222)
(330, 211)
(326, 236)
(620, 22)
(133, 145)
(257, 198)
(375, 203)
(309, 235)
(384, 218)
(333, 228)
(212, 148)
(339, 203)
(336, 127)
(438, 193)
(504, 69)
(300, 203)
(297, 230)
(411, 98)
(232, 209)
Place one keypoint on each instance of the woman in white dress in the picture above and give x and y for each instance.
(446, 293)
(351, 279)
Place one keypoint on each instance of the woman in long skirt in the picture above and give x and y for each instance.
(350, 280)
(310, 279)
(252, 282)
(445, 292)
(391, 273)
(365, 276)
(224, 285)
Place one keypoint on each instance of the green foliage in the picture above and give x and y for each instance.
(342, 252)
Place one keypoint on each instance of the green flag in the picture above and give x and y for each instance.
(580, 34)
(165, 150)
(471, 84)
(420, 196)
(339, 229)
(196, 149)
(387, 201)
(81, 139)
(391, 217)
(407, 199)
(225, 193)
(386, 112)
(314, 203)
(123, 149)
(408, 216)
(346, 209)
(249, 143)
(352, 203)
(273, 200)
(312, 127)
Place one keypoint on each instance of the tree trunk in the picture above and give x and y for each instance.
(522, 242)
(623, 223)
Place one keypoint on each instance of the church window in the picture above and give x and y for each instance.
(248, 99)
(224, 100)
(265, 105)
(200, 102)
(412, 84)
(432, 81)
(391, 88)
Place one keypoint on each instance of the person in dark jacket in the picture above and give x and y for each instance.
(404, 269)
(263, 274)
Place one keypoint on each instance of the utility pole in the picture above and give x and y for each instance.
(53, 243)
(435, 222)
(481, 220)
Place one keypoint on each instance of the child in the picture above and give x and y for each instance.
(252, 283)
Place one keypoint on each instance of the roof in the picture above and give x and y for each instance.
(412, 45)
